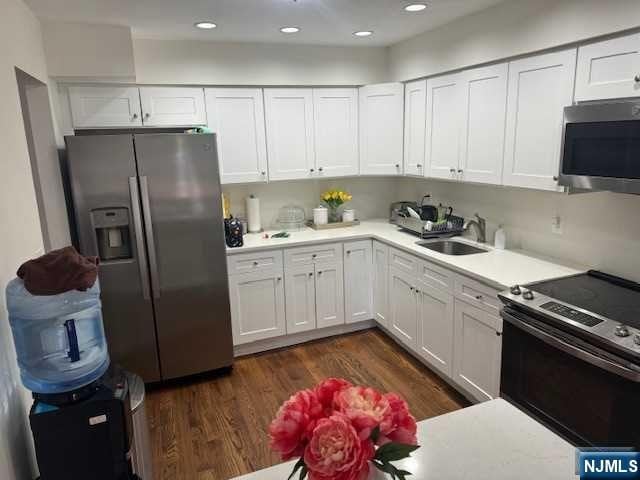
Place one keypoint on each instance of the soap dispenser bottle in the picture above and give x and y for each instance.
(500, 239)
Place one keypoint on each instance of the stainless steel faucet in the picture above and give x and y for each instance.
(480, 226)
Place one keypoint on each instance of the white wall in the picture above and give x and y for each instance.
(599, 230)
(217, 63)
(515, 27)
(86, 51)
(20, 45)
(371, 196)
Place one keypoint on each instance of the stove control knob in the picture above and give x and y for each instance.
(622, 331)
(515, 290)
(528, 295)
(636, 339)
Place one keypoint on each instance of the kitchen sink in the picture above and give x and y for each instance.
(451, 247)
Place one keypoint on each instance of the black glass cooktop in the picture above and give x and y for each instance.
(608, 296)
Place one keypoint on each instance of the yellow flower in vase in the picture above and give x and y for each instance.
(334, 199)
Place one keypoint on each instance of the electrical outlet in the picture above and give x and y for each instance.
(556, 225)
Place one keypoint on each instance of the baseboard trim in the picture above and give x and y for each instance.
(298, 338)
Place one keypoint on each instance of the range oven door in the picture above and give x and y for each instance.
(584, 395)
(601, 147)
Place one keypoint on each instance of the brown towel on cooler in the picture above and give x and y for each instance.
(59, 271)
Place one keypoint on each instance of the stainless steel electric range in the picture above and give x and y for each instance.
(571, 356)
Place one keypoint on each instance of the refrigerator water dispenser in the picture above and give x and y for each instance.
(113, 236)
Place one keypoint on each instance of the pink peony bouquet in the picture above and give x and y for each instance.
(337, 430)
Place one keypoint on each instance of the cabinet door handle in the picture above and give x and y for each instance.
(320, 169)
(279, 278)
(419, 165)
(478, 297)
(637, 78)
(348, 252)
(311, 274)
(397, 165)
(314, 255)
(263, 173)
(135, 116)
(255, 264)
(555, 178)
(147, 115)
(312, 170)
(460, 170)
(320, 273)
(411, 288)
(452, 170)
(498, 334)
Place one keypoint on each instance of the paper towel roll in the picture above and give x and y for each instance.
(253, 214)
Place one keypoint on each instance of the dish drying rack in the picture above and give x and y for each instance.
(451, 226)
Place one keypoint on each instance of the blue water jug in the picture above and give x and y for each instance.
(59, 339)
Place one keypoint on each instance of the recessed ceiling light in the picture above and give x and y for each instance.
(289, 29)
(415, 7)
(206, 25)
(363, 33)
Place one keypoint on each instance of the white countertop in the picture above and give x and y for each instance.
(490, 441)
(498, 268)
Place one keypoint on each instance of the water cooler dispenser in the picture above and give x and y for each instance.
(81, 417)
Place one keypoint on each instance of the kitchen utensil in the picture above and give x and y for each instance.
(397, 210)
(349, 215)
(291, 218)
(320, 215)
(253, 214)
(413, 213)
(444, 212)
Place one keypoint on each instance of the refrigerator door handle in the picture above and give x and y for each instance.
(148, 228)
(137, 225)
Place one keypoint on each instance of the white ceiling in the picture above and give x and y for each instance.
(322, 22)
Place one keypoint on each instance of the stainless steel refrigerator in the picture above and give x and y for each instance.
(149, 206)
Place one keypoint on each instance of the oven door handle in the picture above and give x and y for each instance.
(572, 350)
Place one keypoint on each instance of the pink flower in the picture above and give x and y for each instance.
(366, 408)
(335, 451)
(403, 424)
(326, 391)
(291, 430)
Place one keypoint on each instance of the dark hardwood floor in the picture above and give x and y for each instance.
(215, 429)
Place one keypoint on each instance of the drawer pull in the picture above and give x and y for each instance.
(319, 273)
(255, 264)
(279, 278)
(311, 274)
(314, 255)
(478, 297)
(348, 252)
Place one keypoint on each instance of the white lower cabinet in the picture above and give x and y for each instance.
(257, 306)
(403, 306)
(357, 276)
(435, 327)
(300, 289)
(450, 321)
(477, 351)
(329, 295)
(381, 283)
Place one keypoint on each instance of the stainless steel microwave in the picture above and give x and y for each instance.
(601, 147)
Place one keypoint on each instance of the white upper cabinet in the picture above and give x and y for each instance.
(381, 129)
(539, 89)
(444, 113)
(236, 115)
(336, 131)
(289, 120)
(103, 107)
(415, 112)
(484, 102)
(609, 69)
(357, 276)
(172, 106)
